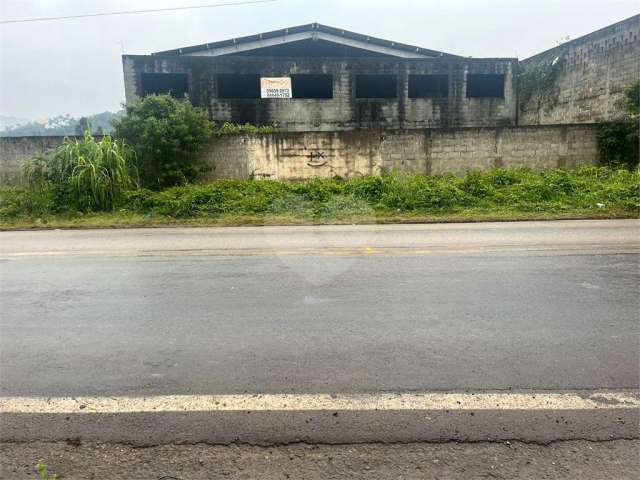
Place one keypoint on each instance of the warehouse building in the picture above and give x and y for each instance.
(319, 78)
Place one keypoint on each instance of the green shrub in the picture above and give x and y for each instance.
(168, 135)
(559, 182)
(188, 201)
(422, 193)
(216, 198)
(610, 187)
(366, 188)
(618, 143)
(504, 177)
(140, 199)
(618, 139)
(83, 174)
(16, 202)
(229, 128)
(630, 102)
(475, 184)
(292, 205)
(341, 206)
(318, 190)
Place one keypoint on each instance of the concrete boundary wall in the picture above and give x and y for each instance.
(289, 156)
(15, 150)
(596, 68)
(298, 155)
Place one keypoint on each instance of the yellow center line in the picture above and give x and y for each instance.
(598, 400)
(329, 251)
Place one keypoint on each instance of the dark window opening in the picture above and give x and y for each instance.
(312, 86)
(485, 85)
(376, 86)
(428, 86)
(175, 84)
(238, 86)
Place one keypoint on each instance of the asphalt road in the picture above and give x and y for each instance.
(518, 317)
(575, 460)
(547, 306)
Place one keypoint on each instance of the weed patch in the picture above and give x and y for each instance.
(498, 193)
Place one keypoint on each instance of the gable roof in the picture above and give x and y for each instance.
(348, 41)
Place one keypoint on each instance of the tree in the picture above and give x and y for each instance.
(63, 125)
(167, 135)
(82, 126)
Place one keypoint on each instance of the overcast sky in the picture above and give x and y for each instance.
(74, 66)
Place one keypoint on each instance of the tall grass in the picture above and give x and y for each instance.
(517, 190)
(582, 192)
(86, 174)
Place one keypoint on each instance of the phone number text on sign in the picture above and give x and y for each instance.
(276, 93)
(275, 87)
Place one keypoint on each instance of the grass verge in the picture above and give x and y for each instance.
(495, 195)
(118, 220)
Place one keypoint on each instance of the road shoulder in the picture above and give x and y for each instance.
(514, 460)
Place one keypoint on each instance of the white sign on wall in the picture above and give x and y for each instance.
(271, 87)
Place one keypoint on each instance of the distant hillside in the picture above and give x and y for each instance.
(7, 121)
(61, 125)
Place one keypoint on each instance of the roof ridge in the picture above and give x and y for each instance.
(309, 27)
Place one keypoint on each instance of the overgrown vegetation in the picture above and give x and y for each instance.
(167, 135)
(618, 139)
(499, 193)
(81, 175)
(538, 79)
(229, 128)
(164, 137)
(97, 182)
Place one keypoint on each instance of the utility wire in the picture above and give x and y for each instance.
(129, 12)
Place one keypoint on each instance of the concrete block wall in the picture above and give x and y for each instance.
(292, 156)
(596, 69)
(344, 111)
(15, 150)
(300, 155)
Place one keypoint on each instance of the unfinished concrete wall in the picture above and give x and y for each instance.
(15, 150)
(593, 72)
(288, 156)
(344, 111)
(298, 155)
